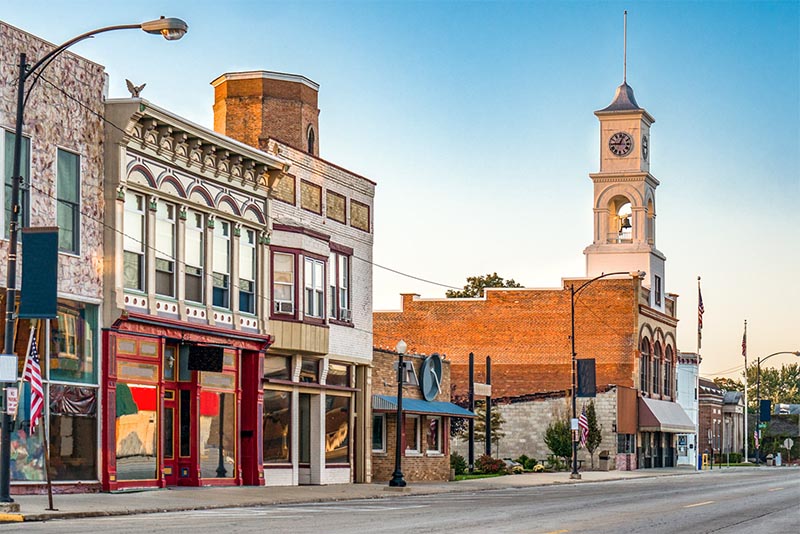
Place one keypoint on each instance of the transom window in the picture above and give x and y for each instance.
(133, 241)
(314, 284)
(247, 271)
(165, 249)
(68, 211)
(222, 264)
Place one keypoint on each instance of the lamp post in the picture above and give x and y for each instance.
(573, 292)
(758, 396)
(397, 480)
(171, 29)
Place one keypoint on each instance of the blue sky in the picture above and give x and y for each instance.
(476, 120)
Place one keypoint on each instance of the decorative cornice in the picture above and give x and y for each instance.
(647, 311)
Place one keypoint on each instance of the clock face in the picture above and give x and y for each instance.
(645, 147)
(620, 144)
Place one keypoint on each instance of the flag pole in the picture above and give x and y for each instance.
(744, 353)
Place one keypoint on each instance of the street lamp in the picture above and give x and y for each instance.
(397, 477)
(758, 396)
(171, 29)
(573, 291)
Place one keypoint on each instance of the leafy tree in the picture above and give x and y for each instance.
(496, 423)
(777, 384)
(595, 431)
(558, 437)
(476, 284)
(729, 384)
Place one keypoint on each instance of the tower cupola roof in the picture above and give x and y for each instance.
(623, 100)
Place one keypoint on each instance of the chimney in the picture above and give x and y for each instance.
(253, 106)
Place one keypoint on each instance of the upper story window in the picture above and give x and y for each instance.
(247, 271)
(165, 249)
(311, 140)
(339, 287)
(644, 365)
(657, 283)
(133, 241)
(313, 276)
(657, 368)
(222, 264)
(668, 371)
(194, 256)
(68, 210)
(25, 171)
(283, 283)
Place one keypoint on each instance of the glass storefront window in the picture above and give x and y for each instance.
(72, 346)
(337, 430)
(217, 439)
(279, 367)
(379, 433)
(276, 426)
(433, 437)
(309, 370)
(338, 375)
(137, 431)
(27, 449)
(73, 432)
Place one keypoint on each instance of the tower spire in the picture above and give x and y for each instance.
(625, 47)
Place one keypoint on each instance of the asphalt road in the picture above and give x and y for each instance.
(749, 501)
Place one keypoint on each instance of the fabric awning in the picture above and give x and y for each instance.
(663, 416)
(385, 403)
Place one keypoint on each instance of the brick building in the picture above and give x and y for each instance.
(316, 376)
(711, 399)
(426, 423)
(624, 319)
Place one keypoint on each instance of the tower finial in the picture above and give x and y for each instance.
(625, 47)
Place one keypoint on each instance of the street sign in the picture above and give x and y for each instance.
(762, 426)
(8, 367)
(788, 443)
(482, 389)
(12, 400)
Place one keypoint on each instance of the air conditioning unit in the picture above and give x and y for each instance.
(284, 307)
(345, 315)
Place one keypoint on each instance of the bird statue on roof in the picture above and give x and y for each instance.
(135, 90)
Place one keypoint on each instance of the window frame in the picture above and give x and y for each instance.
(417, 422)
(440, 423)
(159, 253)
(293, 254)
(657, 292)
(315, 300)
(338, 287)
(191, 229)
(246, 246)
(221, 294)
(382, 426)
(141, 212)
(24, 186)
(75, 207)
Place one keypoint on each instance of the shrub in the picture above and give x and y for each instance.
(487, 464)
(556, 463)
(458, 463)
(538, 468)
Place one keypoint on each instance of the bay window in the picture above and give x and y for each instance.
(314, 284)
(339, 287)
(283, 283)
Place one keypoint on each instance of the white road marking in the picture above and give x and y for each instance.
(698, 504)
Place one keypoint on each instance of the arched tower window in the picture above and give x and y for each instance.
(644, 365)
(657, 353)
(668, 371)
(651, 223)
(311, 140)
(620, 224)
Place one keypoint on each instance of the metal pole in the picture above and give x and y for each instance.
(11, 281)
(397, 477)
(758, 409)
(488, 447)
(574, 473)
(471, 421)
(746, 406)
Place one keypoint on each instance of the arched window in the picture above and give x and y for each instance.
(657, 368)
(311, 140)
(668, 372)
(644, 365)
(651, 223)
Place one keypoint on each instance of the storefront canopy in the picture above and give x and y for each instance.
(663, 416)
(385, 403)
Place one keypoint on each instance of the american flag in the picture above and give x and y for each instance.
(583, 424)
(744, 342)
(700, 309)
(755, 438)
(33, 374)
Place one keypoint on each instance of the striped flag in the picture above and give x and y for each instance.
(583, 424)
(700, 311)
(33, 374)
(755, 438)
(744, 342)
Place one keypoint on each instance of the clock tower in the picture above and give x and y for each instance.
(625, 197)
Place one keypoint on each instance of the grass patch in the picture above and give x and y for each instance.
(478, 475)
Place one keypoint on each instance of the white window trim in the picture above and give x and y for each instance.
(191, 229)
(292, 285)
(251, 250)
(417, 451)
(142, 252)
(315, 288)
(434, 452)
(77, 252)
(161, 254)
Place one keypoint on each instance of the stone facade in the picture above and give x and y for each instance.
(422, 466)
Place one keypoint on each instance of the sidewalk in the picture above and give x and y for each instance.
(33, 507)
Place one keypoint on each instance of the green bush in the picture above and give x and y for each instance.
(735, 458)
(538, 468)
(458, 463)
(555, 463)
(527, 463)
(488, 464)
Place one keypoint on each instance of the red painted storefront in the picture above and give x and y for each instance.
(166, 425)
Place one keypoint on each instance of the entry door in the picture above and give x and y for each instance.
(169, 427)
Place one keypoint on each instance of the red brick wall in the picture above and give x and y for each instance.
(526, 332)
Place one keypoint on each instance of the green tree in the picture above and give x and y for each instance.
(496, 423)
(558, 437)
(476, 284)
(777, 384)
(595, 431)
(729, 384)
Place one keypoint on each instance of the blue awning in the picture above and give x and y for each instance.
(385, 403)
